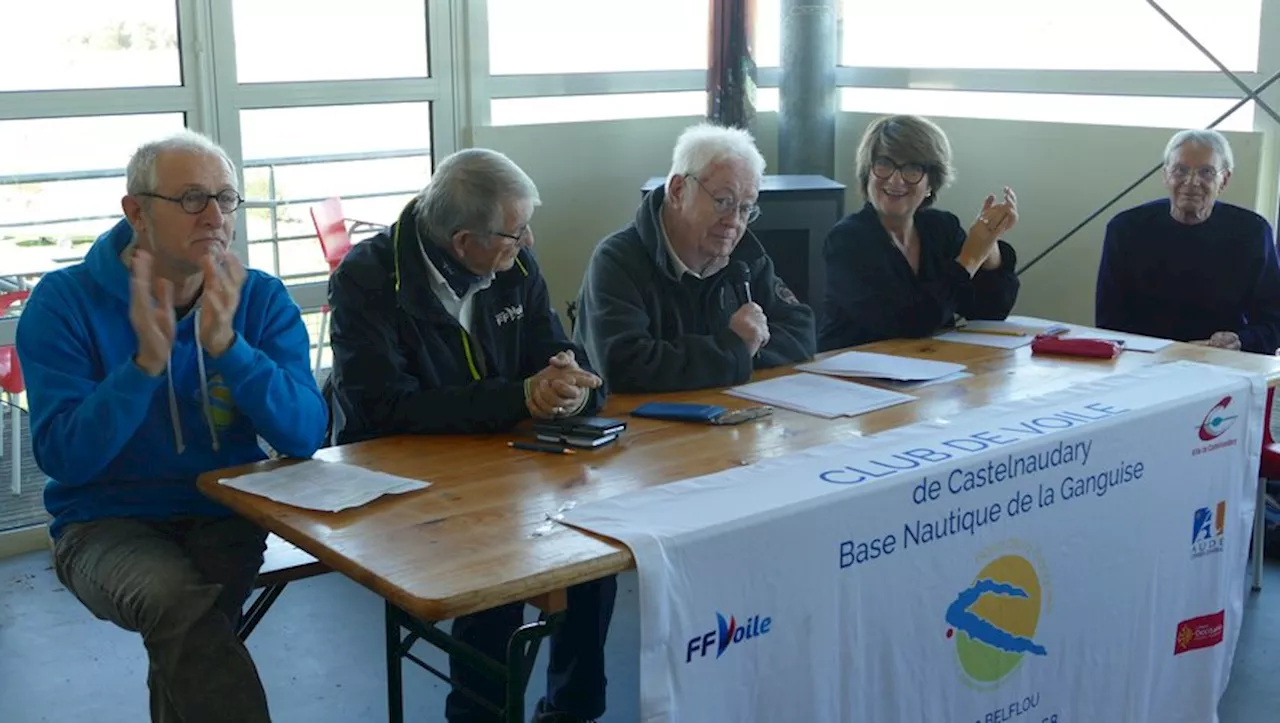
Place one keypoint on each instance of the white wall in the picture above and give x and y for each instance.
(589, 175)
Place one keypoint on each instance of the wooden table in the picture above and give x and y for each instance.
(479, 537)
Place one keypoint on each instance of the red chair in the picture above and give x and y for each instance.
(335, 241)
(12, 385)
(1268, 469)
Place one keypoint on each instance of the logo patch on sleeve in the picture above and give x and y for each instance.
(785, 294)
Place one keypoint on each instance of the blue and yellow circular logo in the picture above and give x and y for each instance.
(221, 407)
(994, 620)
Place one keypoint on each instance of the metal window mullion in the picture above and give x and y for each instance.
(1184, 84)
(1269, 62)
(469, 22)
(216, 65)
(26, 104)
(645, 81)
(338, 92)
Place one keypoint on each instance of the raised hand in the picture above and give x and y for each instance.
(980, 249)
(151, 314)
(222, 284)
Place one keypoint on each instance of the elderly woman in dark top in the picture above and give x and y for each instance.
(901, 268)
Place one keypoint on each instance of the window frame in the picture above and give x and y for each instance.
(211, 98)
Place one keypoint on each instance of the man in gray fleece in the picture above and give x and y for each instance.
(685, 297)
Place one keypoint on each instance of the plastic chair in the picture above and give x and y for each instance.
(335, 241)
(12, 385)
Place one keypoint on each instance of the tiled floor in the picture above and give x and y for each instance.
(321, 657)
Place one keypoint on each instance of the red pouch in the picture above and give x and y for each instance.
(1091, 348)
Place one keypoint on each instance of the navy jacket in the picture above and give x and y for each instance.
(872, 293)
(403, 365)
(652, 332)
(1184, 282)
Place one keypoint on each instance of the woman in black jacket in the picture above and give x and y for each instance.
(900, 268)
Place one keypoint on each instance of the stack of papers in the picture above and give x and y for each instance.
(325, 486)
(883, 366)
(820, 396)
(1012, 333)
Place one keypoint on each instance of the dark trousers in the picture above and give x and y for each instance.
(575, 673)
(180, 584)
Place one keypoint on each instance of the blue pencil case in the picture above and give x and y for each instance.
(679, 411)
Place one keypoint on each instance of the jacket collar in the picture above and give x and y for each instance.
(412, 277)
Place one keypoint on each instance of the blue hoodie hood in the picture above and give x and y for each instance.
(117, 442)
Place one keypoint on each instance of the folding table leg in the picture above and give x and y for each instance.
(395, 683)
(1259, 533)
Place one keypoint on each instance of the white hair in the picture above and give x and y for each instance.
(140, 175)
(467, 193)
(1210, 139)
(706, 144)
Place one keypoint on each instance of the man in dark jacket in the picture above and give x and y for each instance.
(685, 297)
(442, 325)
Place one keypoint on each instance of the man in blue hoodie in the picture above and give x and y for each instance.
(158, 358)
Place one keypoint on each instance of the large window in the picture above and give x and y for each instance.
(56, 44)
(290, 40)
(644, 60)
(1049, 34)
(596, 36)
(295, 157)
(61, 180)
(335, 99)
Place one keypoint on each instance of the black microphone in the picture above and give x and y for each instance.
(740, 273)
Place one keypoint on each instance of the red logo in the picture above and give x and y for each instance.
(1217, 420)
(1202, 632)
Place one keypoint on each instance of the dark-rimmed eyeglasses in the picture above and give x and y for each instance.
(514, 237)
(912, 173)
(195, 202)
(724, 205)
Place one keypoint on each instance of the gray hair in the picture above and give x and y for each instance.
(467, 193)
(706, 144)
(1210, 139)
(140, 174)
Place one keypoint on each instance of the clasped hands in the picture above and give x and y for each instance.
(1222, 340)
(559, 389)
(152, 314)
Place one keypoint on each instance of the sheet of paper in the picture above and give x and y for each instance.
(882, 366)
(821, 396)
(998, 341)
(909, 386)
(319, 485)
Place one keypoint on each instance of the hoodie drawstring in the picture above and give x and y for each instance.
(205, 407)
